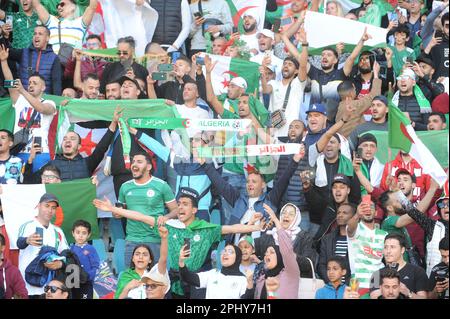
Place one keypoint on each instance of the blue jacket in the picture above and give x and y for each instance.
(89, 259)
(240, 201)
(36, 274)
(328, 292)
(49, 68)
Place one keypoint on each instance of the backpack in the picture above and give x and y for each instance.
(72, 259)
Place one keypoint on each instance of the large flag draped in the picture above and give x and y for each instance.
(123, 18)
(238, 8)
(340, 30)
(403, 137)
(75, 198)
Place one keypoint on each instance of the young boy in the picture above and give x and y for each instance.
(249, 260)
(89, 260)
(401, 53)
(336, 270)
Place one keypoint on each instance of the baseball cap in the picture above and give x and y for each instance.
(381, 98)
(48, 197)
(402, 171)
(341, 178)
(320, 108)
(252, 13)
(367, 138)
(407, 73)
(267, 33)
(240, 82)
(191, 193)
(425, 59)
(154, 277)
(248, 239)
(127, 78)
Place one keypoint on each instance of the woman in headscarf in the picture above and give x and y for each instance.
(279, 262)
(226, 283)
(302, 242)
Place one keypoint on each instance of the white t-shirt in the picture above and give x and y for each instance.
(275, 61)
(250, 40)
(192, 113)
(219, 286)
(246, 218)
(292, 111)
(53, 236)
(41, 122)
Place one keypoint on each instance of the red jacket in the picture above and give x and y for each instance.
(95, 66)
(15, 285)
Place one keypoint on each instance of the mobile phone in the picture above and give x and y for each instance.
(9, 20)
(358, 153)
(200, 60)
(394, 16)
(366, 199)
(187, 244)
(286, 21)
(410, 60)
(198, 14)
(165, 67)
(9, 84)
(175, 56)
(235, 29)
(438, 34)
(440, 278)
(40, 232)
(38, 140)
(276, 25)
(159, 76)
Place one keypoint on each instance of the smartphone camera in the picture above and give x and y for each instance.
(38, 141)
(187, 244)
(200, 60)
(359, 152)
(9, 84)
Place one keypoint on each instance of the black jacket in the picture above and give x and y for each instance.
(116, 70)
(430, 89)
(327, 250)
(173, 90)
(169, 23)
(303, 248)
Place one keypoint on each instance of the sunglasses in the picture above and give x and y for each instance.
(441, 205)
(152, 286)
(53, 289)
(61, 4)
(122, 53)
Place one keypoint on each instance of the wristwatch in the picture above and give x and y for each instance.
(305, 44)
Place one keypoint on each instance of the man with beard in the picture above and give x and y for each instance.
(436, 122)
(71, 164)
(266, 40)
(439, 49)
(413, 279)
(324, 82)
(112, 90)
(91, 87)
(251, 21)
(379, 110)
(150, 196)
(365, 245)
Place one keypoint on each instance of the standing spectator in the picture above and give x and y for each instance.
(413, 280)
(365, 249)
(56, 289)
(250, 25)
(10, 277)
(125, 66)
(23, 25)
(336, 270)
(424, 68)
(438, 283)
(215, 19)
(66, 28)
(266, 41)
(401, 52)
(88, 257)
(335, 243)
(249, 260)
(414, 20)
(390, 284)
(30, 242)
(39, 58)
(436, 122)
(10, 165)
(174, 21)
(112, 90)
(438, 49)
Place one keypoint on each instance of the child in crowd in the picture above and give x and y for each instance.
(336, 270)
(249, 260)
(89, 260)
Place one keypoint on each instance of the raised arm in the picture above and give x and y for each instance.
(89, 12)
(241, 228)
(4, 54)
(42, 13)
(160, 150)
(163, 250)
(352, 224)
(355, 53)
(77, 81)
(210, 96)
(107, 206)
(44, 108)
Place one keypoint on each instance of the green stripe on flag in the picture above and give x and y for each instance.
(75, 198)
(7, 114)
(398, 136)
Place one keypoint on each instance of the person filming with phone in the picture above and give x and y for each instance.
(37, 233)
(438, 282)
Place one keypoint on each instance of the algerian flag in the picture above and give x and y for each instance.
(227, 68)
(7, 114)
(340, 30)
(239, 7)
(75, 198)
(403, 137)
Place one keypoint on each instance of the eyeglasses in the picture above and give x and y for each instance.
(49, 177)
(227, 251)
(119, 53)
(53, 289)
(61, 4)
(152, 286)
(441, 205)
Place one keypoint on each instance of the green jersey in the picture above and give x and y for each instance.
(23, 27)
(149, 199)
(202, 236)
(400, 57)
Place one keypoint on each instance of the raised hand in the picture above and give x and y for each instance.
(4, 53)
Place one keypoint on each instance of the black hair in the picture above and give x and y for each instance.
(152, 258)
(441, 115)
(148, 159)
(51, 168)
(94, 36)
(383, 200)
(332, 50)
(443, 244)
(402, 28)
(401, 239)
(389, 273)
(115, 80)
(9, 133)
(129, 39)
(2, 240)
(45, 27)
(92, 76)
(79, 137)
(36, 74)
(293, 60)
(194, 201)
(82, 223)
(344, 87)
(413, 177)
(351, 205)
(341, 261)
(444, 18)
(185, 59)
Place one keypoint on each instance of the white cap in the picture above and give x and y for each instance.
(407, 72)
(266, 33)
(271, 67)
(252, 13)
(239, 81)
(154, 276)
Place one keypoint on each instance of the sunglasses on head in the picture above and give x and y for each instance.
(53, 289)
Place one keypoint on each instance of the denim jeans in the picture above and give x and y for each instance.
(239, 182)
(129, 247)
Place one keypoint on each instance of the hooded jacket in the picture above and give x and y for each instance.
(329, 292)
(14, 283)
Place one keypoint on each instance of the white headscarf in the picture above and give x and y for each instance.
(293, 228)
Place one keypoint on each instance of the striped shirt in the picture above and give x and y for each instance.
(72, 32)
(365, 252)
(341, 246)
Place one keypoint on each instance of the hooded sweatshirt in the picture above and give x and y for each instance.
(11, 281)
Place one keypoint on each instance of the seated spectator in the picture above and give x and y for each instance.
(10, 276)
(336, 270)
(56, 289)
(10, 165)
(390, 285)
